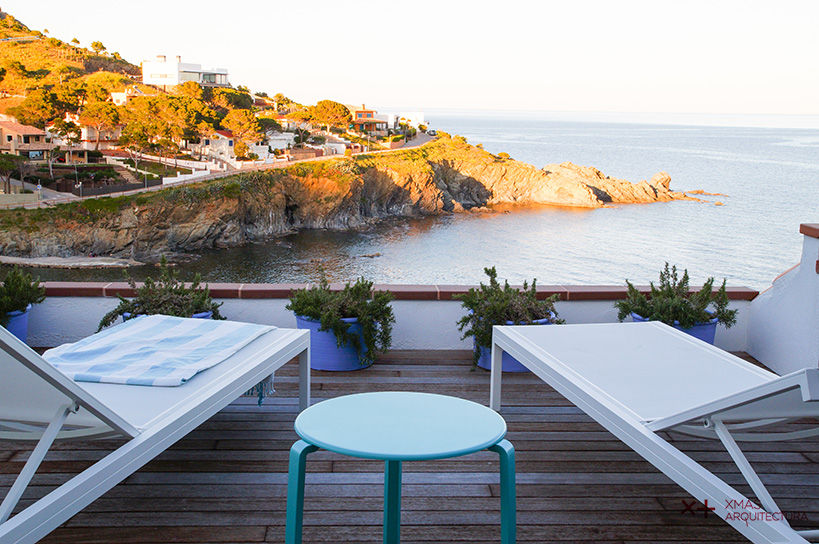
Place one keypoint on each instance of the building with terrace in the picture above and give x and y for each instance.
(89, 137)
(367, 120)
(166, 74)
(24, 140)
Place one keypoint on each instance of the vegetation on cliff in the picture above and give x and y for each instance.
(447, 175)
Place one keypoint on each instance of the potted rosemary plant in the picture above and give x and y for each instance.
(673, 303)
(493, 304)
(166, 295)
(17, 293)
(347, 327)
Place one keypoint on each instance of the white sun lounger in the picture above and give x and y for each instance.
(38, 402)
(638, 379)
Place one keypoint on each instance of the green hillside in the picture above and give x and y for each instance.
(31, 59)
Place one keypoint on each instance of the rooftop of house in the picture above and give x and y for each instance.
(225, 133)
(363, 108)
(369, 120)
(20, 129)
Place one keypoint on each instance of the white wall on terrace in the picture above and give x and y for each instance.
(420, 324)
(784, 320)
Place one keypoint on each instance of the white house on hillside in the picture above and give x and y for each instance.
(169, 73)
(88, 135)
(280, 140)
(412, 118)
(122, 98)
(218, 145)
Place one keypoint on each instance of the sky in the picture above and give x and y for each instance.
(705, 57)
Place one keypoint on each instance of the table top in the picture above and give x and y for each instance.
(649, 368)
(400, 426)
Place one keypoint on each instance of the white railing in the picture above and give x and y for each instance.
(115, 161)
(184, 163)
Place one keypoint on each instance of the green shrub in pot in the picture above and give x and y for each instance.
(167, 296)
(496, 304)
(673, 303)
(370, 308)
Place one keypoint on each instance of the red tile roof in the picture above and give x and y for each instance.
(17, 128)
(225, 133)
(115, 153)
(368, 121)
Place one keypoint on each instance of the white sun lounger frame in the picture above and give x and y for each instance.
(34, 395)
(774, 400)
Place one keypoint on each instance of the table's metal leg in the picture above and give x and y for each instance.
(506, 451)
(295, 490)
(392, 502)
(495, 377)
(304, 379)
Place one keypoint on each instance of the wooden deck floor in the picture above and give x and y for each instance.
(226, 481)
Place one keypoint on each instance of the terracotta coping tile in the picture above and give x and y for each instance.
(617, 292)
(785, 272)
(75, 289)
(121, 288)
(224, 290)
(409, 291)
(598, 292)
(268, 290)
(810, 229)
(545, 291)
(401, 292)
(741, 293)
(445, 292)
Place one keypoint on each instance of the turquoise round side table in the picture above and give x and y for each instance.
(397, 427)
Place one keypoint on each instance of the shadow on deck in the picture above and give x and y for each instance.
(226, 481)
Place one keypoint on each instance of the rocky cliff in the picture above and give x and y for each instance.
(444, 176)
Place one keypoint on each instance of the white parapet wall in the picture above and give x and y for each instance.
(17, 199)
(784, 320)
(198, 174)
(420, 324)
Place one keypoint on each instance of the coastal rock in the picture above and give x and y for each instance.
(445, 176)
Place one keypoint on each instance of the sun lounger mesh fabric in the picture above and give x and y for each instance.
(153, 350)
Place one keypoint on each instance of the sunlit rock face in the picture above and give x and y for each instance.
(445, 176)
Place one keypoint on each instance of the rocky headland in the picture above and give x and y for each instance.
(444, 176)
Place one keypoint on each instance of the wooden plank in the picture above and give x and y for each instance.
(226, 481)
(151, 534)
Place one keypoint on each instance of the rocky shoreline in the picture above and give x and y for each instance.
(69, 262)
(445, 176)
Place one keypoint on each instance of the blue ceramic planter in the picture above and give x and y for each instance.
(201, 315)
(325, 353)
(18, 323)
(701, 331)
(509, 363)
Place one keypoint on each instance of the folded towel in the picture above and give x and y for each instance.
(156, 350)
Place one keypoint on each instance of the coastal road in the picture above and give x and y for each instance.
(50, 197)
(420, 139)
(45, 193)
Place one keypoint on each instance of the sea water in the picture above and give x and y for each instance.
(769, 178)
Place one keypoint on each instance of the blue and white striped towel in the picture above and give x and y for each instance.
(154, 350)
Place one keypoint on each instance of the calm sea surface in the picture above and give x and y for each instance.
(770, 179)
